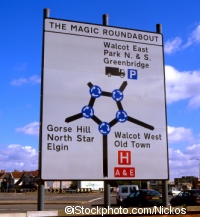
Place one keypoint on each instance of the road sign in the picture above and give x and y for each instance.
(103, 113)
(124, 157)
(124, 172)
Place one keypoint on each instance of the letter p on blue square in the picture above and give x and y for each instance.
(132, 74)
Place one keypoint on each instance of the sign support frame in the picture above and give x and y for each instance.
(106, 182)
(40, 201)
(40, 205)
(164, 182)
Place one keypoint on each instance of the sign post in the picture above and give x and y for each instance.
(103, 93)
(106, 183)
(164, 182)
(40, 202)
(103, 113)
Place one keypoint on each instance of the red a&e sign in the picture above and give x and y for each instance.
(124, 172)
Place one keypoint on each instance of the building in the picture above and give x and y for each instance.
(13, 178)
(157, 185)
(4, 180)
(27, 180)
(187, 182)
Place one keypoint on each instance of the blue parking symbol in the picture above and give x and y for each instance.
(132, 74)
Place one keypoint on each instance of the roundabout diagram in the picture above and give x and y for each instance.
(104, 127)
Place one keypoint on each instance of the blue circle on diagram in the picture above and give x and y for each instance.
(121, 116)
(117, 95)
(95, 91)
(104, 128)
(87, 111)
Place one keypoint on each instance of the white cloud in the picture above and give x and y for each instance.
(18, 157)
(173, 45)
(194, 150)
(19, 82)
(181, 163)
(179, 134)
(177, 155)
(32, 80)
(182, 85)
(194, 102)
(194, 37)
(30, 129)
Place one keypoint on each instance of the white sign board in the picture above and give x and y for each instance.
(103, 113)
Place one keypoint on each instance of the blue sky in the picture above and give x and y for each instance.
(20, 65)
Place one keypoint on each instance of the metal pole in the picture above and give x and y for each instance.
(106, 194)
(105, 20)
(199, 168)
(40, 202)
(159, 28)
(164, 182)
(106, 183)
(46, 12)
(60, 186)
(165, 193)
(40, 205)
